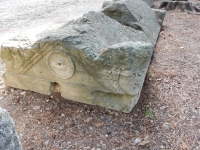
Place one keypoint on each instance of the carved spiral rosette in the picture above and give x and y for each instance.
(61, 64)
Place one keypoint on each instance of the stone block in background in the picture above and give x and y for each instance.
(9, 139)
(94, 59)
(183, 5)
(136, 14)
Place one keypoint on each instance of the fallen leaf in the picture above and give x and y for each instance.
(88, 120)
(99, 124)
(174, 125)
(183, 146)
(16, 100)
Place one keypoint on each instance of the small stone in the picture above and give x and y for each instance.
(162, 147)
(46, 143)
(116, 114)
(69, 142)
(12, 90)
(135, 115)
(23, 93)
(137, 140)
(111, 113)
(88, 120)
(62, 115)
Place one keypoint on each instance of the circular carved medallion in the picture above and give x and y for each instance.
(61, 64)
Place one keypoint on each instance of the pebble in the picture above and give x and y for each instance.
(135, 115)
(137, 140)
(111, 113)
(69, 142)
(12, 90)
(162, 147)
(62, 115)
(23, 93)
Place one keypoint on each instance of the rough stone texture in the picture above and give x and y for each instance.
(149, 2)
(93, 59)
(160, 15)
(197, 7)
(183, 5)
(8, 137)
(136, 14)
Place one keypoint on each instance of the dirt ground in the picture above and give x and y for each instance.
(171, 90)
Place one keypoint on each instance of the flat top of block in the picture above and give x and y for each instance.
(31, 17)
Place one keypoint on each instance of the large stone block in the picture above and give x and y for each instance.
(8, 137)
(93, 59)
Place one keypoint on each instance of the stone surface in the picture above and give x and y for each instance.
(197, 7)
(149, 2)
(93, 59)
(136, 14)
(183, 5)
(29, 18)
(8, 137)
(160, 15)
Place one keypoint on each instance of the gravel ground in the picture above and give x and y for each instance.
(171, 93)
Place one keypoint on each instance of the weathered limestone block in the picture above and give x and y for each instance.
(149, 2)
(135, 14)
(93, 60)
(8, 137)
